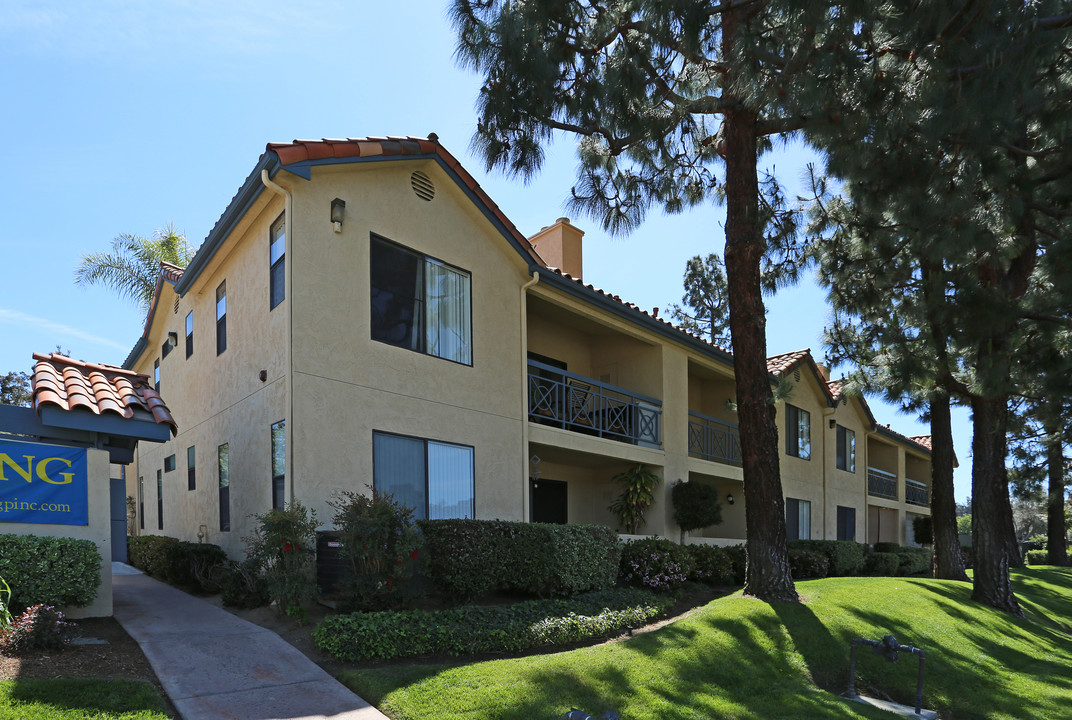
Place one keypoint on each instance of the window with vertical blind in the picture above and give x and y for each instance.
(846, 523)
(191, 468)
(221, 318)
(420, 303)
(433, 478)
(797, 432)
(189, 333)
(277, 250)
(279, 464)
(223, 461)
(797, 519)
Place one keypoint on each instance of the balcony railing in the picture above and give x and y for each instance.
(712, 439)
(881, 483)
(916, 493)
(575, 402)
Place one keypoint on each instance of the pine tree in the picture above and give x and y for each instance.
(705, 310)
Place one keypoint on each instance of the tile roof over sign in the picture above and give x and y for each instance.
(72, 384)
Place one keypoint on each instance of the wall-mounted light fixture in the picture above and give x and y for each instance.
(172, 339)
(729, 498)
(833, 423)
(338, 211)
(202, 532)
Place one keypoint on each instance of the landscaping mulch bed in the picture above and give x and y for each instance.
(119, 658)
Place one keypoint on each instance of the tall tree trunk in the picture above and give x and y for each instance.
(1056, 545)
(991, 510)
(768, 575)
(949, 563)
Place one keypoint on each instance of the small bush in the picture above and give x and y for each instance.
(655, 564)
(477, 629)
(193, 566)
(739, 562)
(1037, 557)
(696, 505)
(882, 564)
(710, 565)
(888, 547)
(380, 544)
(468, 558)
(5, 598)
(41, 627)
(923, 529)
(914, 561)
(282, 548)
(148, 553)
(806, 564)
(242, 586)
(845, 557)
(49, 570)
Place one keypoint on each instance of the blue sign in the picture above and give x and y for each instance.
(43, 484)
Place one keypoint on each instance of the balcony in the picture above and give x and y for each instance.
(881, 483)
(916, 493)
(713, 439)
(574, 402)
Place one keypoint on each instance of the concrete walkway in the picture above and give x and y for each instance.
(215, 665)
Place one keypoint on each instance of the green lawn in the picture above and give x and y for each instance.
(69, 699)
(740, 658)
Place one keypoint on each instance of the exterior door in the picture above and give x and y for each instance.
(548, 501)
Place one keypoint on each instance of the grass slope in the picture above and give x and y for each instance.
(739, 658)
(80, 699)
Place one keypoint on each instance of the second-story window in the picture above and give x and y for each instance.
(221, 318)
(156, 375)
(189, 333)
(797, 432)
(277, 250)
(420, 303)
(191, 468)
(846, 449)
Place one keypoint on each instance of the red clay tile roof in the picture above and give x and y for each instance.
(835, 387)
(71, 384)
(781, 364)
(302, 150)
(170, 272)
(924, 440)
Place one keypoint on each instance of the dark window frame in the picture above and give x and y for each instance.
(141, 502)
(189, 334)
(793, 446)
(224, 451)
(846, 523)
(156, 374)
(159, 499)
(845, 452)
(792, 518)
(425, 442)
(221, 318)
(421, 332)
(277, 284)
(191, 468)
(279, 479)
(169, 463)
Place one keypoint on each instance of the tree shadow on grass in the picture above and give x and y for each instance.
(90, 697)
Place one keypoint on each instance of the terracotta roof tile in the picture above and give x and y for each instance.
(71, 384)
(924, 440)
(781, 364)
(836, 387)
(171, 272)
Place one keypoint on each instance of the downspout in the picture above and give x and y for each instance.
(828, 413)
(288, 290)
(525, 393)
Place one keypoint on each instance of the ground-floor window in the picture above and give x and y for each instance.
(279, 463)
(433, 478)
(846, 523)
(223, 454)
(797, 519)
(159, 500)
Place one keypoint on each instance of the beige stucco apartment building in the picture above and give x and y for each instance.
(364, 314)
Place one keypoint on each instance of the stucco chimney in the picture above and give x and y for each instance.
(824, 372)
(560, 247)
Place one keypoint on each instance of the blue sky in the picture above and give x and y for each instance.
(123, 116)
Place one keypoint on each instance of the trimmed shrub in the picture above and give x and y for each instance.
(41, 627)
(889, 547)
(193, 565)
(738, 561)
(479, 629)
(655, 564)
(282, 549)
(914, 561)
(241, 586)
(148, 553)
(882, 564)
(49, 570)
(1037, 557)
(710, 565)
(696, 505)
(845, 557)
(923, 529)
(467, 558)
(806, 564)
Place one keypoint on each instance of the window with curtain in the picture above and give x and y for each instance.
(433, 478)
(797, 432)
(846, 449)
(797, 519)
(420, 303)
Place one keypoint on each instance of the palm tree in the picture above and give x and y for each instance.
(133, 266)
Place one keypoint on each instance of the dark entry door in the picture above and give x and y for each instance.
(547, 501)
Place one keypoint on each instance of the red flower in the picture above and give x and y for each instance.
(413, 554)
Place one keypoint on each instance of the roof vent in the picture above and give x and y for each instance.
(796, 376)
(422, 185)
(176, 310)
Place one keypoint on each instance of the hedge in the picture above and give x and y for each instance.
(193, 565)
(845, 557)
(805, 564)
(711, 564)
(914, 561)
(479, 629)
(882, 564)
(468, 558)
(148, 553)
(1037, 557)
(655, 563)
(50, 570)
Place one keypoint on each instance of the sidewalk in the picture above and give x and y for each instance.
(214, 665)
